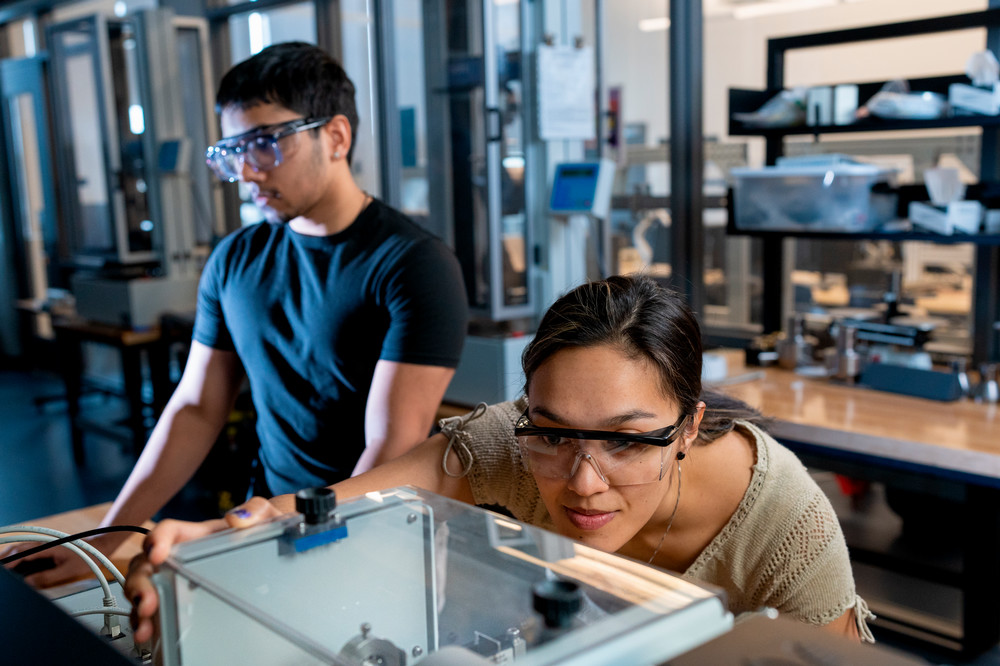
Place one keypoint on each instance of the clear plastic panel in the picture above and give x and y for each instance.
(510, 105)
(95, 227)
(130, 121)
(30, 196)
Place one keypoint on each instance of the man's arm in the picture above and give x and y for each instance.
(402, 402)
(181, 440)
(183, 436)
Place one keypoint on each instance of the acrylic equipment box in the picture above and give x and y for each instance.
(405, 577)
(818, 198)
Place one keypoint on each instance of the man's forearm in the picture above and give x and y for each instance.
(179, 443)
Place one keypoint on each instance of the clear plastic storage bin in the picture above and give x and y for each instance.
(822, 198)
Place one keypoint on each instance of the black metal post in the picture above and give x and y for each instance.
(986, 292)
(773, 250)
(328, 33)
(687, 230)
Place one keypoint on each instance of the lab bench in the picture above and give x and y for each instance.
(946, 452)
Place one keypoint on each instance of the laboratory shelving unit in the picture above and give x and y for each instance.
(986, 305)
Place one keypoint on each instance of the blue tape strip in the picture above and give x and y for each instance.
(320, 539)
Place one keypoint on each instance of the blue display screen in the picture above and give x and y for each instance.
(574, 186)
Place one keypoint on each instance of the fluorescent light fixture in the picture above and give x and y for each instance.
(774, 7)
(654, 24)
(136, 119)
(28, 30)
(513, 162)
(260, 32)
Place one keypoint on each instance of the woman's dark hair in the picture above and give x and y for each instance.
(296, 75)
(644, 320)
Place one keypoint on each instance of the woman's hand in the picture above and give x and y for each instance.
(139, 585)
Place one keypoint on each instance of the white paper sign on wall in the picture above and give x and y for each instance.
(566, 93)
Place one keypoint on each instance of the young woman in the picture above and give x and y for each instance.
(613, 411)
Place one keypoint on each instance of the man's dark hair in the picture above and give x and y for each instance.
(295, 75)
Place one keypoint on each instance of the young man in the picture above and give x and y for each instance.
(346, 317)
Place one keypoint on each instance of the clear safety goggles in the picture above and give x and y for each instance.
(259, 148)
(619, 458)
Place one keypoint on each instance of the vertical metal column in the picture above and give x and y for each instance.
(602, 111)
(986, 296)
(391, 152)
(440, 191)
(219, 41)
(773, 250)
(687, 229)
(328, 35)
(12, 264)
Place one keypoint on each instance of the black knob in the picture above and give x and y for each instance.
(557, 601)
(316, 504)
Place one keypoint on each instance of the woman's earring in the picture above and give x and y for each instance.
(336, 154)
(681, 455)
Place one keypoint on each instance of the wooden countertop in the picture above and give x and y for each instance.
(115, 335)
(961, 437)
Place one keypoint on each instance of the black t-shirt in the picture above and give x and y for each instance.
(309, 318)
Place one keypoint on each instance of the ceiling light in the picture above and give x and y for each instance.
(770, 8)
(654, 24)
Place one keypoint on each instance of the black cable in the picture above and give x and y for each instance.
(73, 537)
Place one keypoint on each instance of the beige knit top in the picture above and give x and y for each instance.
(782, 548)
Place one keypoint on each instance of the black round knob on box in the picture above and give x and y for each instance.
(316, 504)
(558, 601)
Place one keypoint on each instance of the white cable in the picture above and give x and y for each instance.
(90, 563)
(101, 557)
(101, 611)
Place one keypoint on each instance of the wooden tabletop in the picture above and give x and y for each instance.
(115, 335)
(88, 518)
(961, 437)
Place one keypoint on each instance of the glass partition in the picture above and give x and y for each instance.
(196, 101)
(926, 284)
(635, 127)
(100, 122)
(29, 244)
(509, 107)
(408, 51)
(252, 31)
(358, 56)
(130, 124)
(31, 209)
(84, 183)
(477, 112)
